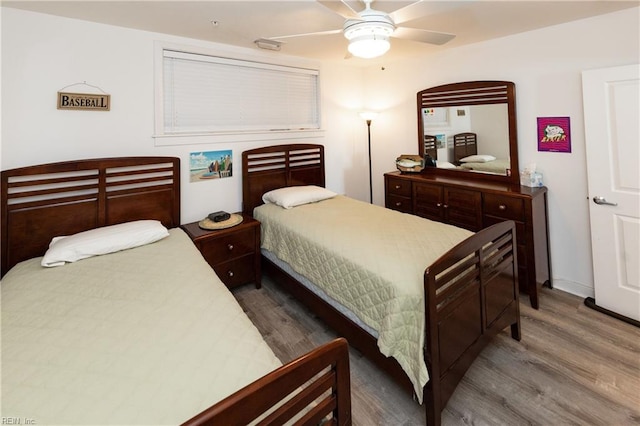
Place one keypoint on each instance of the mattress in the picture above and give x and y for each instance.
(143, 336)
(369, 259)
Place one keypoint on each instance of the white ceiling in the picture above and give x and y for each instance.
(241, 22)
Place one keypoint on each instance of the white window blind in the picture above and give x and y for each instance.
(204, 94)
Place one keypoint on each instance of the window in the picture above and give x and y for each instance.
(204, 94)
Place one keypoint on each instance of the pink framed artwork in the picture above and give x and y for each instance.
(554, 134)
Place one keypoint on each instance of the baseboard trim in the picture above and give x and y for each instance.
(572, 287)
(591, 303)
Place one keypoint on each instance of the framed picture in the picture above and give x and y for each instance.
(554, 134)
(435, 117)
(441, 140)
(210, 165)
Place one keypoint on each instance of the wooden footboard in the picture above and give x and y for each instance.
(471, 294)
(322, 376)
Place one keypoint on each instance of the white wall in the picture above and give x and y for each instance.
(42, 54)
(546, 67)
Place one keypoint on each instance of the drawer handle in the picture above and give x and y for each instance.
(439, 205)
(230, 273)
(230, 247)
(502, 207)
(445, 206)
(398, 203)
(398, 186)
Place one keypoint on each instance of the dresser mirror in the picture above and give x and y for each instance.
(469, 129)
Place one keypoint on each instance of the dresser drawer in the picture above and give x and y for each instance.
(502, 206)
(227, 247)
(399, 187)
(237, 271)
(402, 204)
(463, 208)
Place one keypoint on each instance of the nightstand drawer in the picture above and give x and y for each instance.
(224, 248)
(237, 271)
(506, 207)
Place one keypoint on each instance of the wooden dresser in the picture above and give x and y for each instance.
(477, 204)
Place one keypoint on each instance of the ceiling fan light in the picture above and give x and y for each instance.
(369, 46)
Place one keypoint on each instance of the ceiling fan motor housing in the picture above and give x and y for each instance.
(373, 22)
(369, 36)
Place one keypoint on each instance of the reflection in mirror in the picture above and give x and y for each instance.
(470, 127)
(453, 134)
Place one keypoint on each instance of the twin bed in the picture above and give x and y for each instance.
(151, 335)
(148, 335)
(419, 298)
(465, 155)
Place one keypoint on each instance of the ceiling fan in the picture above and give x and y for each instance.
(369, 30)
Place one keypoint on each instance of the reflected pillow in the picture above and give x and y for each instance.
(292, 196)
(445, 165)
(478, 159)
(99, 241)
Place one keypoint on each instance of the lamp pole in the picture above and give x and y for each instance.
(368, 116)
(370, 176)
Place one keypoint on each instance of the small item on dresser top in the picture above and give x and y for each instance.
(220, 216)
(429, 161)
(209, 224)
(529, 177)
(410, 163)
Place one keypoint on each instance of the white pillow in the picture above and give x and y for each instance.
(477, 159)
(292, 196)
(107, 239)
(445, 165)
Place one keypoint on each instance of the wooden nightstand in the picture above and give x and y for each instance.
(233, 253)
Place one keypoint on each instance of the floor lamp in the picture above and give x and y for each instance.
(368, 116)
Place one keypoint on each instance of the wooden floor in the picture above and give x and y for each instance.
(573, 366)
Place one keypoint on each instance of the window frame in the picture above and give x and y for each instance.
(236, 54)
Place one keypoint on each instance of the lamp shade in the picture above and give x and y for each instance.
(369, 46)
(368, 115)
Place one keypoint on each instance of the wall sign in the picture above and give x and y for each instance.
(84, 101)
(554, 134)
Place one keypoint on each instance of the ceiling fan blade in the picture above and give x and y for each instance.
(423, 36)
(341, 8)
(408, 13)
(319, 33)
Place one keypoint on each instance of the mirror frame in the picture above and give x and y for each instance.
(473, 93)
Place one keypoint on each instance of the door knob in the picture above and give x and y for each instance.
(602, 201)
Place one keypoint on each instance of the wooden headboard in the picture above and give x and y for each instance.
(44, 201)
(430, 147)
(464, 145)
(272, 167)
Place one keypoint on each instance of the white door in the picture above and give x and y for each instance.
(611, 99)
